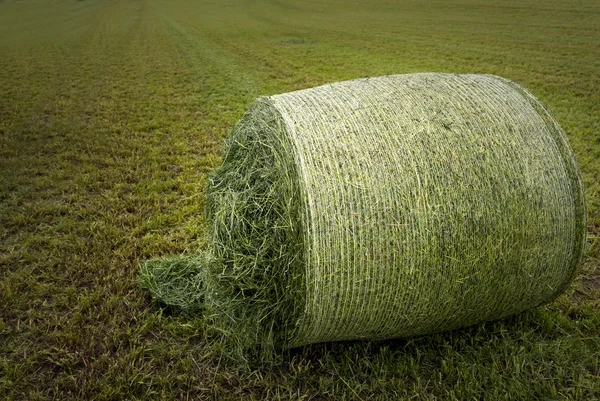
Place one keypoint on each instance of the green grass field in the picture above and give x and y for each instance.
(112, 113)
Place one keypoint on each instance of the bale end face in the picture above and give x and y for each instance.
(255, 290)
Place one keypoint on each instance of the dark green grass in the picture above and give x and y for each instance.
(112, 114)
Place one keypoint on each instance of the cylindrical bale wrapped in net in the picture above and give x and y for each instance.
(390, 207)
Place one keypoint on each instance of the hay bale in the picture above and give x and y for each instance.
(390, 207)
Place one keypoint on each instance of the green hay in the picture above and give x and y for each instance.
(388, 207)
(254, 289)
(176, 281)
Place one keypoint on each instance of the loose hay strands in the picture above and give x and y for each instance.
(176, 281)
(255, 288)
(388, 207)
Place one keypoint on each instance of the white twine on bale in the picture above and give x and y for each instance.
(431, 201)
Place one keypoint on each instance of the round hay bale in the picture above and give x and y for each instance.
(390, 207)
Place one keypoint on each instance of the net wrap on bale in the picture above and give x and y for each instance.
(389, 207)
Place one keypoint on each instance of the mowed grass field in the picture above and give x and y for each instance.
(112, 113)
